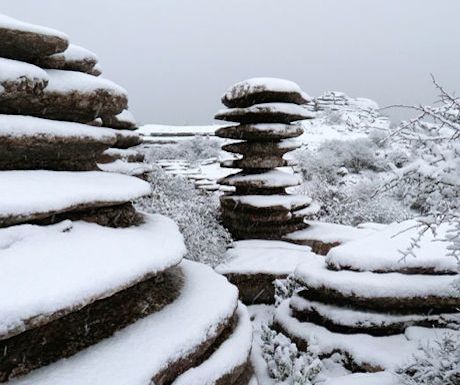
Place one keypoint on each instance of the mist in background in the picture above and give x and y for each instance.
(177, 57)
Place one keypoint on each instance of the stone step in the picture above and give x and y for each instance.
(36, 195)
(27, 42)
(29, 143)
(74, 58)
(260, 132)
(266, 113)
(162, 346)
(264, 90)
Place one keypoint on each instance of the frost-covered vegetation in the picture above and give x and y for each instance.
(192, 150)
(194, 211)
(437, 363)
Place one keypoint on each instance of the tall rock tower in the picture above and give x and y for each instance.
(92, 291)
(264, 109)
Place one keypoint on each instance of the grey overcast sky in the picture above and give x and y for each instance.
(176, 57)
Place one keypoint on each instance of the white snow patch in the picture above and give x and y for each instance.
(75, 53)
(378, 378)
(128, 168)
(269, 257)
(139, 351)
(19, 126)
(381, 250)
(272, 178)
(14, 24)
(46, 269)
(61, 81)
(288, 202)
(377, 285)
(281, 108)
(233, 353)
(14, 70)
(25, 193)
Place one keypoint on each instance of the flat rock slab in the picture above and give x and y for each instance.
(74, 58)
(126, 139)
(161, 346)
(129, 155)
(20, 80)
(27, 42)
(321, 236)
(31, 195)
(127, 168)
(380, 251)
(229, 363)
(262, 148)
(391, 292)
(283, 203)
(260, 132)
(67, 335)
(72, 96)
(264, 90)
(349, 321)
(364, 352)
(77, 273)
(253, 265)
(123, 121)
(266, 113)
(28, 143)
(268, 179)
(258, 162)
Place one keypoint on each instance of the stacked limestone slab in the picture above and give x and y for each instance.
(260, 206)
(372, 305)
(92, 291)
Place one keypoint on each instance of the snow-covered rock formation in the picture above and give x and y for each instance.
(260, 206)
(368, 302)
(92, 291)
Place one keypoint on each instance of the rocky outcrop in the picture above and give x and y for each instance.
(90, 289)
(260, 206)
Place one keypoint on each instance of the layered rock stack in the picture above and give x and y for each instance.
(264, 109)
(370, 304)
(92, 291)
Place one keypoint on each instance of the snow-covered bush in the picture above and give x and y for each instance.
(194, 211)
(430, 182)
(285, 288)
(193, 150)
(437, 363)
(343, 176)
(285, 363)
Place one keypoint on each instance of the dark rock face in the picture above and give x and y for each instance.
(261, 132)
(59, 62)
(29, 46)
(73, 106)
(126, 140)
(264, 113)
(67, 335)
(258, 96)
(39, 152)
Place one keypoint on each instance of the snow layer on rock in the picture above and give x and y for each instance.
(378, 378)
(272, 178)
(61, 81)
(328, 232)
(255, 85)
(24, 193)
(11, 23)
(265, 201)
(348, 317)
(381, 250)
(282, 108)
(165, 130)
(76, 53)
(377, 285)
(46, 269)
(14, 70)
(128, 168)
(266, 257)
(233, 353)
(19, 126)
(126, 116)
(386, 352)
(136, 353)
(123, 152)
